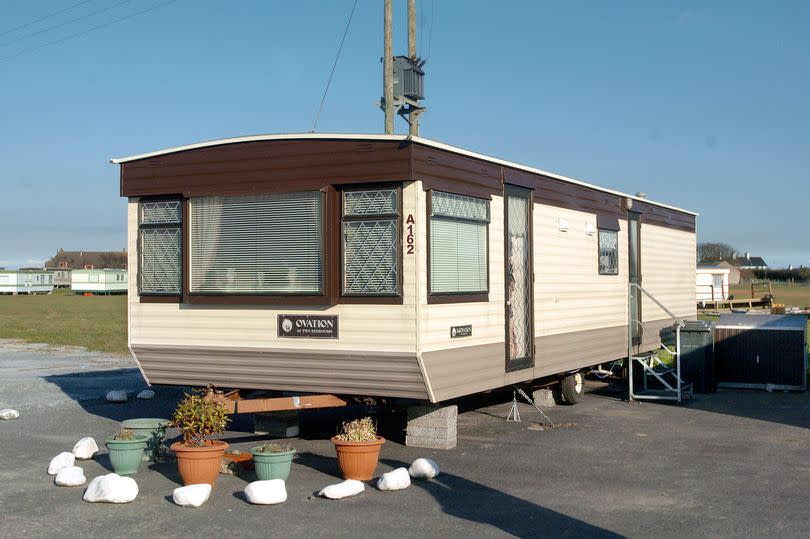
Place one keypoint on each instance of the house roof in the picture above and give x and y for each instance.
(80, 259)
(718, 265)
(742, 261)
(378, 137)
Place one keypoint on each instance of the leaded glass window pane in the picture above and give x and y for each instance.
(372, 202)
(370, 257)
(608, 252)
(161, 212)
(160, 261)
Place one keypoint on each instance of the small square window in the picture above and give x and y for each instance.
(608, 252)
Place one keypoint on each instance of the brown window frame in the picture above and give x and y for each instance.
(252, 298)
(453, 297)
(338, 266)
(162, 297)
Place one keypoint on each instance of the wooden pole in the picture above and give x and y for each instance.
(413, 128)
(388, 69)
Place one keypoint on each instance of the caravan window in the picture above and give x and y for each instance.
(458, 244)
(159, 247)
(608, 252)
(371, 242)
(257, 244)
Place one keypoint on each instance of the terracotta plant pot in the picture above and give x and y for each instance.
(358, 460)
(199, 464)
(125, 455)
(272, 465)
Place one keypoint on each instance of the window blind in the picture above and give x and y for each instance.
(458, 244)
(257, 244)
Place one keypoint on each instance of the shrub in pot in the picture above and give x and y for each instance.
(154, 428)
(125, 450)
(358, 449)
(272, 461)
(198, 456)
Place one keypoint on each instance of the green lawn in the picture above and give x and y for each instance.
(790, 296)
(94, 322)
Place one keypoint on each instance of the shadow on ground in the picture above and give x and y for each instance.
(475, 502)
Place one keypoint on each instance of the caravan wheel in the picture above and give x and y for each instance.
(572, 387)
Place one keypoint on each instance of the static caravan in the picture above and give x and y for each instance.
(61, 277)
(26, 281)
(712, 282)
(99, 281)
(387, 265)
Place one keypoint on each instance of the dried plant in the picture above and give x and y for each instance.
(358, 430)
(198, 419)
(274, 448)
(124, 434)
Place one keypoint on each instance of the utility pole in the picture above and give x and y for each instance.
(388, 70)
(413, 127)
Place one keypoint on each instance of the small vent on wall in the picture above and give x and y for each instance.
(432, 160)
(365, 147)
(484, 172)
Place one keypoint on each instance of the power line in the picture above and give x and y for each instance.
(97, 27)
(61, 24)
(26, 25)
(334, 65)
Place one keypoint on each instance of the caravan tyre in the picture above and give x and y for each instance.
(572, 387)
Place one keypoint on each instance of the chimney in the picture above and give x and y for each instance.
(733, 256)
(748, 256)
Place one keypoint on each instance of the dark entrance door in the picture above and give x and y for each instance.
(634, 265)
(519, 272)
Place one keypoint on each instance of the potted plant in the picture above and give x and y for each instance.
(154, 429)
(358, 449)
(272, 461)
(125, 449)
(198, 456)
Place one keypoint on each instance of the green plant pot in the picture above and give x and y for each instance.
(126, 455)
(154, 429)
(272, 465)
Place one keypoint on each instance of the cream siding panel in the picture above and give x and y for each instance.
(486, 318)
(569, 293)
(668, 271)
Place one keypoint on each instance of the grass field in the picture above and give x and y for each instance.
(95, 322)
(790, 296)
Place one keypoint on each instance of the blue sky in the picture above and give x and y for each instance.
(701, 104)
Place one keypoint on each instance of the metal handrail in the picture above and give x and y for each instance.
(680, 324)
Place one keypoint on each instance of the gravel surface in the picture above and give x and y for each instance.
(729, 464)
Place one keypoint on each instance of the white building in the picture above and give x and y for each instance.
(26, 281)
(99, 281)
(712, 282)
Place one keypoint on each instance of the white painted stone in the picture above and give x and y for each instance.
(269, 492)
(70, 476)
(111, 488)
(424, 469)
(60, 461)
(191, 495)
(117, 395)
(394, 480)
(8, 413)
(349, 487)
(85, 448)
(146, 394)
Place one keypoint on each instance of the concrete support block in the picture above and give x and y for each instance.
(543, 398)
(276, 424)
(432, 427)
